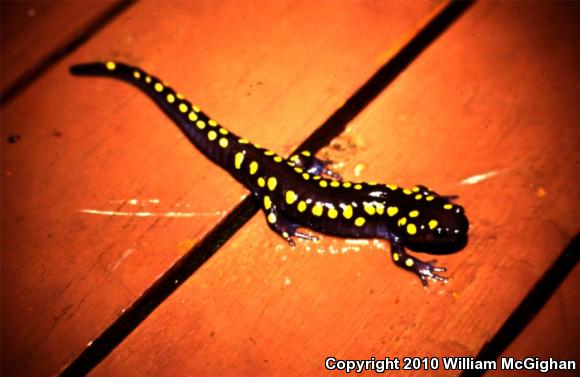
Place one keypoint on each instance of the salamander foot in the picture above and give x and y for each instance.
(428, 271)
(313, 165)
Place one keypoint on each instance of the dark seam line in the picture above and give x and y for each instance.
(31, 75)
(529, 307)
(206, 248)
(383, 77)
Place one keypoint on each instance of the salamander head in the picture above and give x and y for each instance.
(439, 228)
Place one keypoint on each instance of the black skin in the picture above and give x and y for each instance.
(418, 219)
(426, 271)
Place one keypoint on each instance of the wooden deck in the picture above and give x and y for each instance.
(126, 252)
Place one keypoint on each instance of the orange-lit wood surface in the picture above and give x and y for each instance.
(554, 332)
(496, 94)
(32, 30)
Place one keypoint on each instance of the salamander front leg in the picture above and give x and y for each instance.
(314, 165)
(281, 225)
(425, 270)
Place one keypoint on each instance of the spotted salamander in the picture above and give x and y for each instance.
(301, 191)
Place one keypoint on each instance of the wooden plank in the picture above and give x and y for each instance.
(554, 333)
(492, 95)
(95, 144)
(32, 30)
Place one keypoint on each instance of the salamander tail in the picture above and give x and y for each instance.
(108, 68)
(93, 68)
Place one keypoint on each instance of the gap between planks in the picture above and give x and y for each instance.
(529, 307)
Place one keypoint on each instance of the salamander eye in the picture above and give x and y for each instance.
(440, 232)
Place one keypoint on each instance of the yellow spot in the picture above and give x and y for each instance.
(278, 159)
(372, 183)
(332, 213)
(298, 170)
(200, 124)
(448, 206)
(402, 221)
(335, 183)
(110, 65)
(272, 182)
(380, 208)
(306, 153)
(183, 107)
(268, 153)
(347, 211)
(369, 208)
(158, 87)
(392, 211)
(294, 158)
(285, 234)
(195, 108)
(433, 224)
(211, 122)
(267, 202)
(360, 221)
(317, 209)
(261, 182)
(323, 183)
(414, 213)
(346, 184)
(179, 95)
(392, 187)
(429, 198)
(291, 197)
(212, 135)
(238, 159)
(148, 79)
(407, 192)
(170, 98)
(271, 218)
(316, 177)
(253, 167)
(243, 141)
(306, 176)
(302, 206)
(223, 131)
(223, 142)
(137, 74)
(357, 187)
(415, 189)
(418, 196)
(409, 262)
(192, 116)
(396, 257)
(411, 229)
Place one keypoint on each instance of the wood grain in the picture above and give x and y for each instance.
(496, 93)
(270, 72)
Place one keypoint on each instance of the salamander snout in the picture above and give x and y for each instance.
(441, 233)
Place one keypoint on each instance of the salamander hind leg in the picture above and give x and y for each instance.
(314, 165)
(280, 224)
(424, 270)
